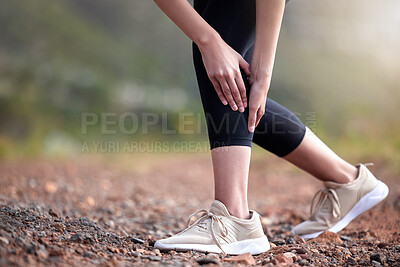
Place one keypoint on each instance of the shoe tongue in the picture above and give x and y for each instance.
(218, 208)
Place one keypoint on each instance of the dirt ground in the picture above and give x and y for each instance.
(109, 211)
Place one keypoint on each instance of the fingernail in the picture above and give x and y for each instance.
(224, 102)
(245, 104)
(234, 107)
(241, 109)
(251, 128)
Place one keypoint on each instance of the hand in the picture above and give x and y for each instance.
(257, 101)
(223, 65)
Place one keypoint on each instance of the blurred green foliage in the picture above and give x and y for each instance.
(60, 59)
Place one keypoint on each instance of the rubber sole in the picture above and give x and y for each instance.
(253, 246)
(368, 201)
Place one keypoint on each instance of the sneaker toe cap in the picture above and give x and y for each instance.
(183, 240)
(308, 227)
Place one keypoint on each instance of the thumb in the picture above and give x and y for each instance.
(244, 65)
(252, 119)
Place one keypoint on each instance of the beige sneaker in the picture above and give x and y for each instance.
(218, 232)
(339, 204)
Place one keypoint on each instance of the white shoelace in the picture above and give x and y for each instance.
(324, 195)
(205, 214)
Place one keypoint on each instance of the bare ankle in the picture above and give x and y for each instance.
(347, 175)
(241, 213)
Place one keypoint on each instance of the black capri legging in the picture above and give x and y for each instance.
(279, 130)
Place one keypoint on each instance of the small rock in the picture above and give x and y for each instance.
(247, 259)
(303, 262)
(20, 241)
(272, 245)
(213, 255)
(279, 242)
(290, 255)
(137, 240)
(76, 238)
(376, 257)
(375, 263)
(327, 237)
(58, 226)
(383, 245)
(302, 251)
(282, 259)
(53, 213)
(351, 261)
(345, 238)
(155, 258)
(208, 260)
(157, 252)
(55, 252)
(302, 241)
(4, 240)
(290, 241)
(42, 253)
(140, 250)
(44, 241)
(304, 256)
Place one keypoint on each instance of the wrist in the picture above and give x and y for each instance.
(262, 78)
(261, 73)
(205, 40)
(261, 85)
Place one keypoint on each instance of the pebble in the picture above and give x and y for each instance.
(42, 253)
(208, 260)
(290, 241)
(246, 259)
(375, 263)
(137, 240)
(282, 259)
(345, 238)
(4, 240)
(303, 262)
(383, 245)
(155, 258)
(304, 256)
(327, 237)
(279, 242)
(376, 257)
(290, 255)
(53, 213)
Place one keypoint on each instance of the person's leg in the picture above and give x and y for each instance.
(314, 157)
(348, 190)
(230, 141)
(231, 168)
(283, 134)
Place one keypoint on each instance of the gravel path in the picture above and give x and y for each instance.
(109, 212)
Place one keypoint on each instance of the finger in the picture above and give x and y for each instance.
(227, 93)
(260, 113)
(219, 91)
(252, 119)
(236, 94)
(245, 66)
(242, 89)
(251, 81)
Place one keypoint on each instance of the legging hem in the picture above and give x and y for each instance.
(230, 142)
(294, 146)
